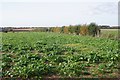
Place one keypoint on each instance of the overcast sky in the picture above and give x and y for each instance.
(58, 12)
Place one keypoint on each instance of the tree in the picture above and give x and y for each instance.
(71, 29)
(56, 29)
(62, 29)
(7, 29)
(77, 29)
(84, 30)
(51, 29)
(92, 29)
(66, 30)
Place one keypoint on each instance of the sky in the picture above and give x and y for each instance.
(38, 13)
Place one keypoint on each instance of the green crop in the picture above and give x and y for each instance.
(35, 55)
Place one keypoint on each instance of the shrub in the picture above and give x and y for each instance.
(84, 30)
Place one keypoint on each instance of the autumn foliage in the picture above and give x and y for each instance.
(84, 30)
(92, 29)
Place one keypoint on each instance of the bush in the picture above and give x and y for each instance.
(84, 30)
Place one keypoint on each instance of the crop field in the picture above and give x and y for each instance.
(43, 54)
(110, 33)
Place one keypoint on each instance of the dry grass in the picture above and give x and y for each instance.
(110, 33)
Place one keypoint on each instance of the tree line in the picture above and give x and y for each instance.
(92, 29)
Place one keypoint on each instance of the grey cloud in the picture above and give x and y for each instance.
(106, 8)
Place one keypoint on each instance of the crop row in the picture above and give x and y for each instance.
(35, 55)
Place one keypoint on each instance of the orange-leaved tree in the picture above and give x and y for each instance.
(84, 30)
